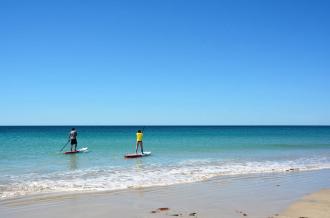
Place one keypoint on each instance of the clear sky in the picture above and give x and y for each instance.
(179, 62)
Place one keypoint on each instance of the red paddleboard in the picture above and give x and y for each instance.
(77, 151)
(134, 155)
(71, 152)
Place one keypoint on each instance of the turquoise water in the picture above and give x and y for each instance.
(30, 161)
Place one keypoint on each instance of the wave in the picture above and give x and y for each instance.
(116, 178)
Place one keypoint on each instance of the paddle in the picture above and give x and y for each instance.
(65, 145)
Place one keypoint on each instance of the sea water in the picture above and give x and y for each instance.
(31, 161)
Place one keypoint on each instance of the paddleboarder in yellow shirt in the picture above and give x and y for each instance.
(139, 136)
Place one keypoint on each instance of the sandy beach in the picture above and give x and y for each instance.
(263, 196)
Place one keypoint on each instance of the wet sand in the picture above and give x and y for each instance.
(262, 195)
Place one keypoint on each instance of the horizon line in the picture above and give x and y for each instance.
(163, 125)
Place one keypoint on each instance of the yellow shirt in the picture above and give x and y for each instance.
(139, 136)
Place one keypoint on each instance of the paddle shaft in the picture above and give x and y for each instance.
(64, 146)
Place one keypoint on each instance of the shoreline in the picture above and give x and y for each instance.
(254, 195)
(54, 192)
(68, 194)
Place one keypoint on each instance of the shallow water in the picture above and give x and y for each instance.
(30, 161)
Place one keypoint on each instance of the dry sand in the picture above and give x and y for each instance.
(316, 205)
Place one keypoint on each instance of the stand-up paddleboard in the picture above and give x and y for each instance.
(134, 155)
(77, 151)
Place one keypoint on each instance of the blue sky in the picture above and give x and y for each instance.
(172, 62)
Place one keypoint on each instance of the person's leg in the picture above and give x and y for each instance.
(75, 146)
(137, 146)
(71, 145)
(142, 147)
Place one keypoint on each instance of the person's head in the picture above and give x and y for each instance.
(73, 129)
(139, 131)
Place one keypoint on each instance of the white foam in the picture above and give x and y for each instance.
(115, 178)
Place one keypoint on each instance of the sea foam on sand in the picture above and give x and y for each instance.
(257, 196)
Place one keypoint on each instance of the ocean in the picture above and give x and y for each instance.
(31, 163)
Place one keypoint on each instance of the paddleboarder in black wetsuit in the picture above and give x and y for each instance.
(73, 138)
